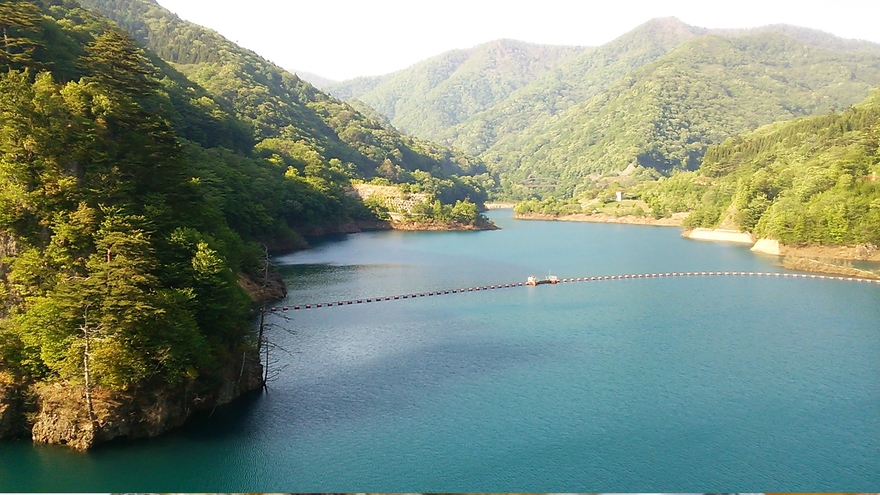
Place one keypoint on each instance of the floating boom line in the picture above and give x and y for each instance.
(601, 278)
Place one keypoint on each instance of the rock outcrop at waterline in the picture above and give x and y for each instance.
(720, 235)
(61, 412)
(271, 288)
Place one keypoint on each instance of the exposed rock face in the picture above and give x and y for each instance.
(766, 246)
(838, 268)
(262, 291)
(723, 235)
(444, 226)
(63, 415)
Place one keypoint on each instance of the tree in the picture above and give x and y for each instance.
(17, 18)
(116, 325)
(116, 62)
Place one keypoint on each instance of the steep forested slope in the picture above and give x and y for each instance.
(572, 82)
(290, 117)
(807, 181)
(654, 98)
(117, 267)
(664, 115)
(432, 96)
(132, 200)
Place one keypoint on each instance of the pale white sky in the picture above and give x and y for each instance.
(341, 39)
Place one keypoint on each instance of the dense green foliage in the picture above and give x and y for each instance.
(571, 82)
(289, 116)
(112, 253)
(655, 98)
(666, 114)
(131, 196)
(807, 181)
(430, 97)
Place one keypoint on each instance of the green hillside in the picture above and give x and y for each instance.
(290, 117)
(436, 94)
(134, 200)
(807, 181)
(119, 255)
(572, 82)
(664, 115)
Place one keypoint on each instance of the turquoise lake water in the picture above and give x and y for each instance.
(682, 384)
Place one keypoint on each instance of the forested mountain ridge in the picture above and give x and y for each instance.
(132, 199)
(572, 82)
(809, 181)
(655, 98)
(443, 91)
(277, 103)
(665, 114)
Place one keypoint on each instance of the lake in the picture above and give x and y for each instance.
(684, 384)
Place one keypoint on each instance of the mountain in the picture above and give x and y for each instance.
(665, 114)
(139, 196)
(288, 114)
(433, 95)
(573, 81)
(808, 181)
(120, 250)
(654, 98)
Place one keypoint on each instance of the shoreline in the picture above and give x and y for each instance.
(719, 235)
(673, 221)
(812, 259)
(355, 226)
(499, 206)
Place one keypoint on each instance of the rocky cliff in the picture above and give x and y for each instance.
(61, 412)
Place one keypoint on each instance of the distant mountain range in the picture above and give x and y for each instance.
(430, 97)
(655, 97)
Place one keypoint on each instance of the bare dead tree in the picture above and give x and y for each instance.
(261, 334)
(87, 374)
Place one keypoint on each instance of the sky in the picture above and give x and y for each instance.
(342, 39)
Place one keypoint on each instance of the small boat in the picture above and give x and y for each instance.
(533, 281)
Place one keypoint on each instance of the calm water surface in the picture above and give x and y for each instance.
(690, 384)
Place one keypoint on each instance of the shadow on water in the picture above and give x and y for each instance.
(323, 240)
(396, 382)
(308, 276)
(227, 421)
(221, 423)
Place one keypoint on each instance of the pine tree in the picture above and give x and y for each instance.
(17, 19)
(117, 63)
